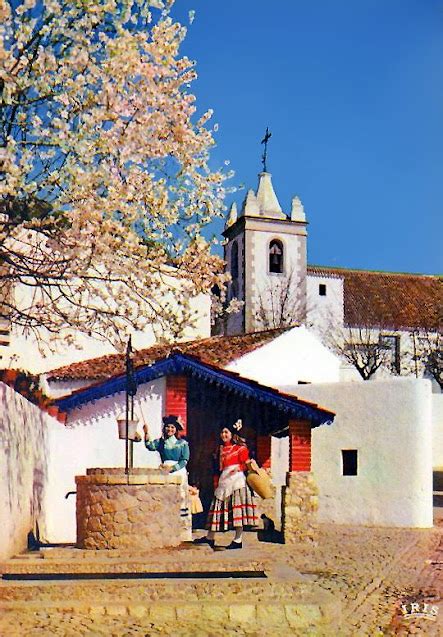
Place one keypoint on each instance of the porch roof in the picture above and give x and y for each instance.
(187, 365)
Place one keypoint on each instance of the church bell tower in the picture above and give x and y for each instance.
(265, 253)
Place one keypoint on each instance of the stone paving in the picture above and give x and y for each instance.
(427, 589)
(367, 572)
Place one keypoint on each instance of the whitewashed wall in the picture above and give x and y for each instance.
(390, 424)
(23, 350)
(24, 469)
(58, 388)
(296, 355)
(324, 311)
(437, 430)
(90, 439)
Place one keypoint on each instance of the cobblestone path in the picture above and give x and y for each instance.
(372, 571)
(369, 572)
(427, 589)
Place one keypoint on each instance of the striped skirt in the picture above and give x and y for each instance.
(238, 509)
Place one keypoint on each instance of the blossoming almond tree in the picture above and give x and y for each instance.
(104, 177)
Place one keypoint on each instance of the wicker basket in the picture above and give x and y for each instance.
(260, 483)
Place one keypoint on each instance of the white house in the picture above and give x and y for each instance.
(272, 357)
(358, 461)
(204, 395)
(378, 426)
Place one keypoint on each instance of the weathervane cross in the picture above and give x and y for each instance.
(264, 141)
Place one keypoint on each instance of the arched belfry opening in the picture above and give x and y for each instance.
(276, 256)
(234, 260)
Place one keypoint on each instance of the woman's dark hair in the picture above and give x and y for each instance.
(177, 431)
(172, 420)
(235, 428)
(236, 439)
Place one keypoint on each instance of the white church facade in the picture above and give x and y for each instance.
(395, 318)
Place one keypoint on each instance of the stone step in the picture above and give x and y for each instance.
(157, 590)
(185, 558)
(21, 570)
(321, 615)
(280, 597)
(205, 560)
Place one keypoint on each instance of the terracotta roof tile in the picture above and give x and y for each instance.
(216, 350)
(389, 300)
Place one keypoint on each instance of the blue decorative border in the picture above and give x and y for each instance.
(188, 365)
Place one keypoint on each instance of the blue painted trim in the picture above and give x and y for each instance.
(115, 385)
(180, 363)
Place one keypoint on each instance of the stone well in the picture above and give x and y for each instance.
(119, 511)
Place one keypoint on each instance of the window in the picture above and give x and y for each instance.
(276, 257)
(233, 290)
(322, 289)
(234, 260)
(349, 462)
(391, 343)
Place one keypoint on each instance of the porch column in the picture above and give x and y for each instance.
(299, 445)
(176, 401)
(176, 404)
(300, 496)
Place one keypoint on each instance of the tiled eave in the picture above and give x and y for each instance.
(215, 350)
(387, 327)
(388, 300)
(190, 366)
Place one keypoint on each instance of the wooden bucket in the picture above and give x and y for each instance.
(132, 428)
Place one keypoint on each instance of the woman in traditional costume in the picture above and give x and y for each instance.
(232, 506)
(174, 454)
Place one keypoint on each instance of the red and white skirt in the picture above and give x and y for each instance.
(232, 505)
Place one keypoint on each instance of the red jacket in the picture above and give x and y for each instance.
(230, 454)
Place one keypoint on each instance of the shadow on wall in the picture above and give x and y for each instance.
(24, 467)
(38, 484)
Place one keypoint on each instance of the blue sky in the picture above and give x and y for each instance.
(352, 91)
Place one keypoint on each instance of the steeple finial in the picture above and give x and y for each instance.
(232, 217)
(298, 211)
(264, 141)
(250, 205)
(268, 205)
